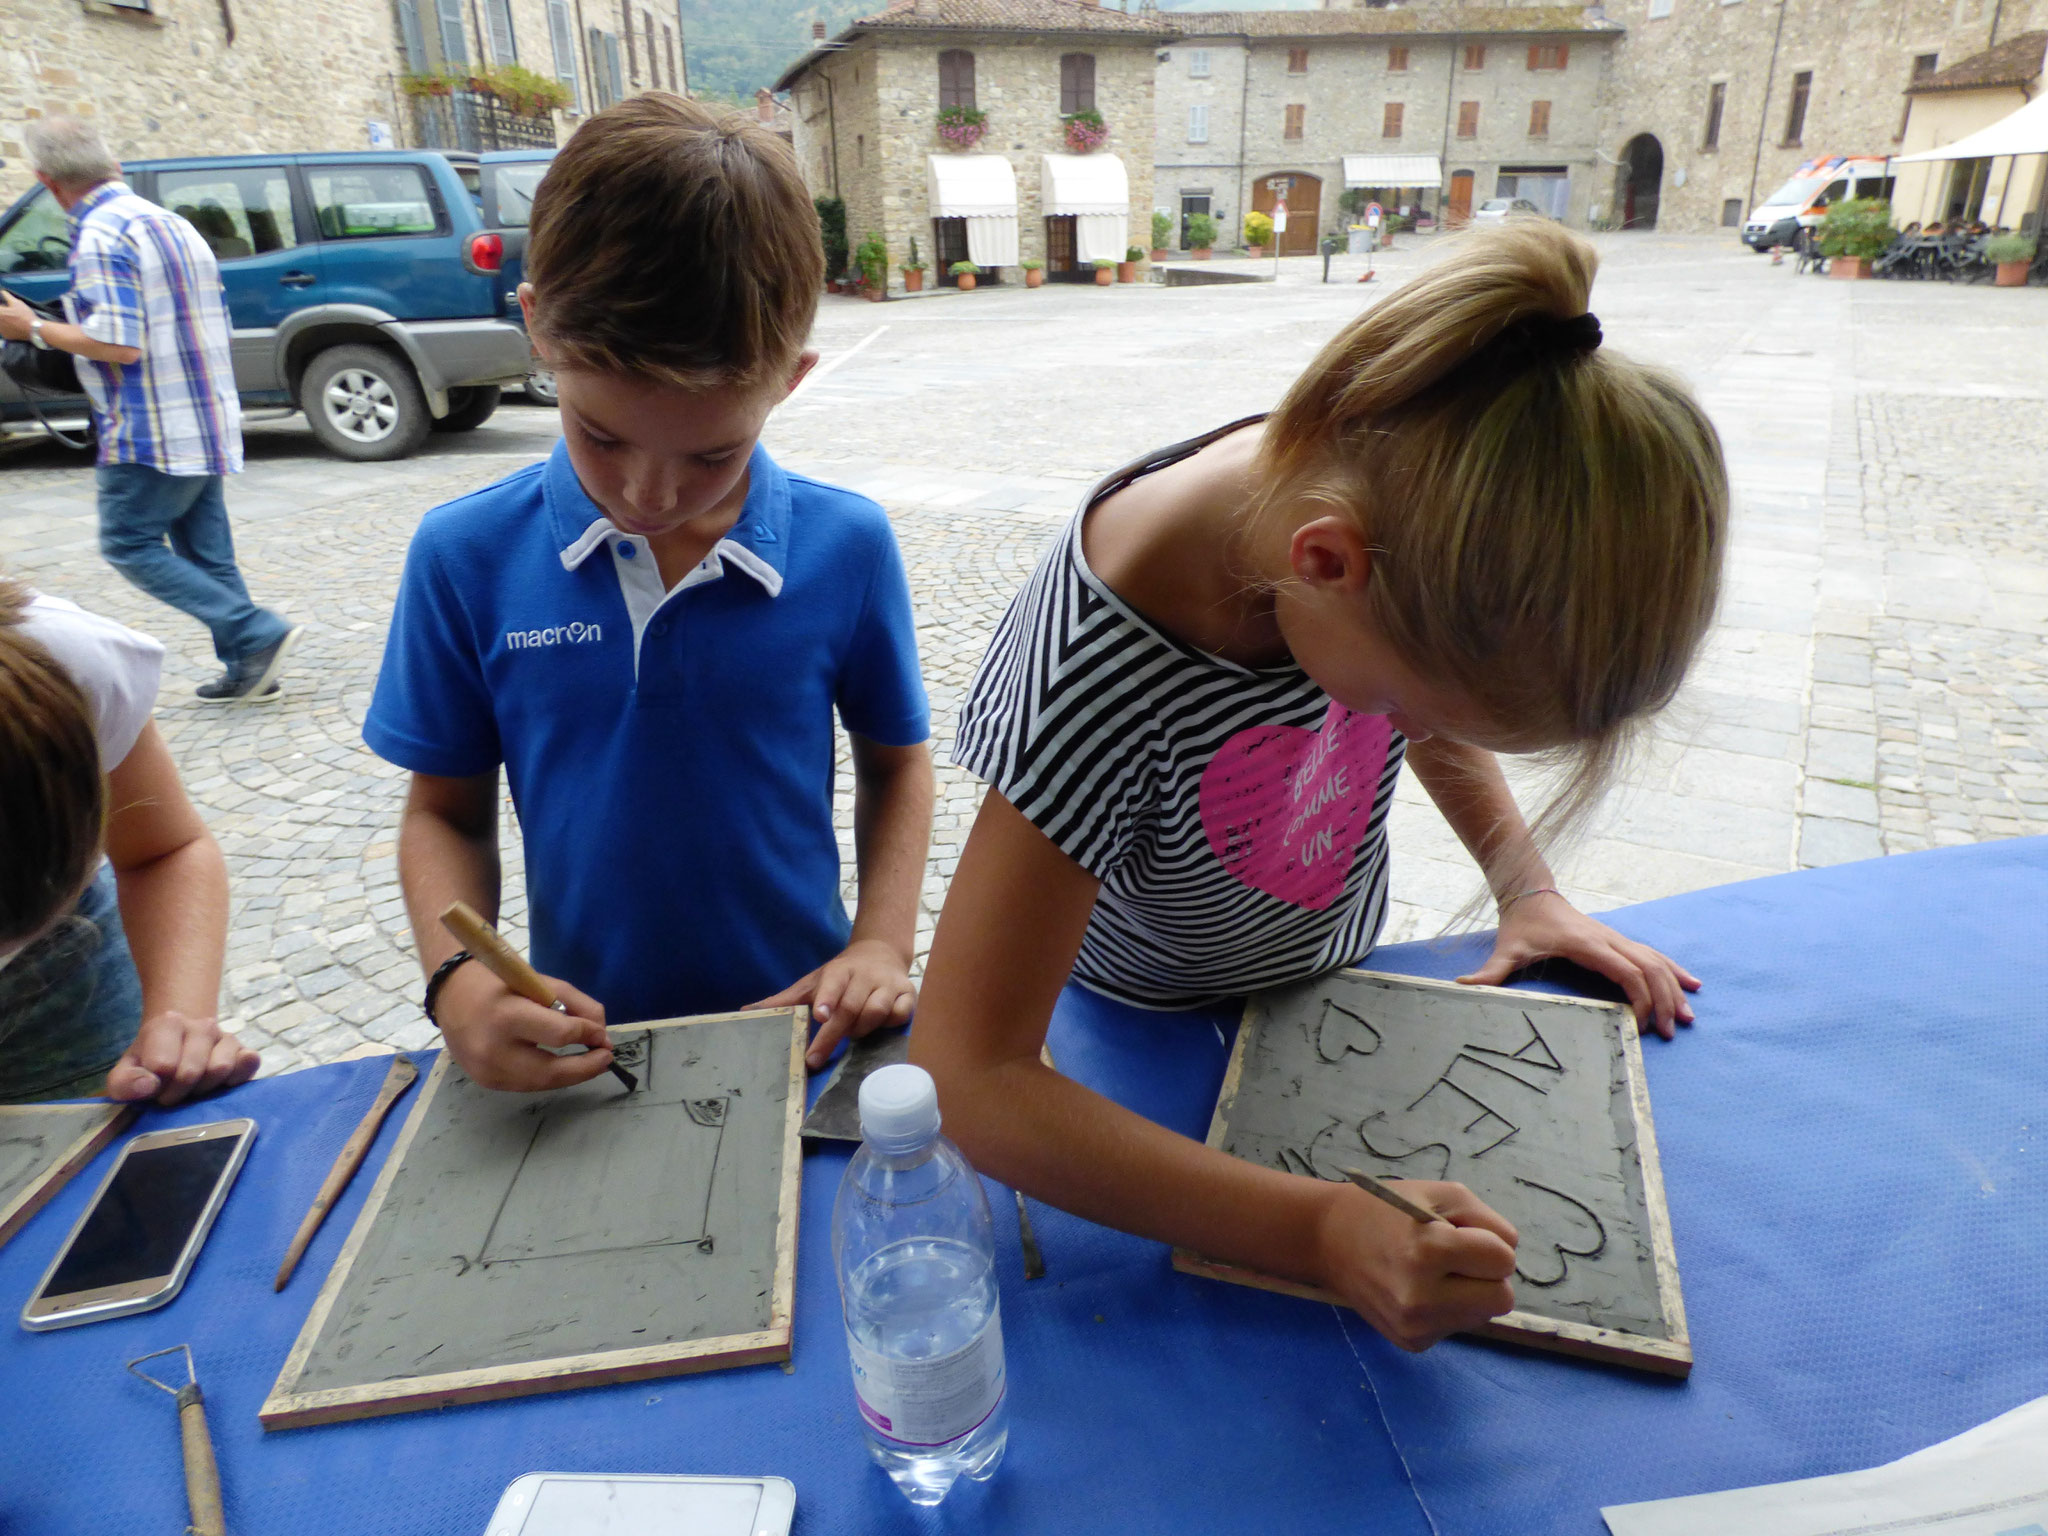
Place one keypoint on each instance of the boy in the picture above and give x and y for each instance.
(651, 632)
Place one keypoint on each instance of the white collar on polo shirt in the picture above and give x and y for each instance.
(640, 579)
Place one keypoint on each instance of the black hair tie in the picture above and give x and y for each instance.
(1538, 338)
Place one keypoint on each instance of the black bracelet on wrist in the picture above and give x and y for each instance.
(438, 980)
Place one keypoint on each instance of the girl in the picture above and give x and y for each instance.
(98, 832)
(1466, 530)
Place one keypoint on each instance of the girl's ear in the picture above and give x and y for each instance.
(1330, 552)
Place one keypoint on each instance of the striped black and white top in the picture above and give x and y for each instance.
(1236, 817)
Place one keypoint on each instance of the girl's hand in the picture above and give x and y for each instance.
(175, 1057)
(863, 988)
(1545, 926)
(1418, 1283)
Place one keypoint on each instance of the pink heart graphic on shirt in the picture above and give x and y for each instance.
(1285, 809)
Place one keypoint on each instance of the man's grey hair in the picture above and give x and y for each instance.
(69, 152)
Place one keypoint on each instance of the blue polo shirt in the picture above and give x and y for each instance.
(670, 753)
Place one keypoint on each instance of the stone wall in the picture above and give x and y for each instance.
(300, 75)
(884, 97)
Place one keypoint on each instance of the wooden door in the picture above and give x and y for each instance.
(1460, 209)
(949, 244)
(1304, 209)
(1060, 245)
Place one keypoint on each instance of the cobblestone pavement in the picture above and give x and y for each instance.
(1877, 681)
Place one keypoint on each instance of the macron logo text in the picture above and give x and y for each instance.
(556, 634)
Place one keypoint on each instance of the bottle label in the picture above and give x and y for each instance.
(929, 1402)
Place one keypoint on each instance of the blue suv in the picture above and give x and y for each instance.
(364, 288)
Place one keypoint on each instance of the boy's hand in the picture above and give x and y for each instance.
(1544, 925)
(863, 988)
(1418, 1283)
(175, 1057)
(497, 1036)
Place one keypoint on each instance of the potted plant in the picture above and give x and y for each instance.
(871, 260)
(832, 231)
(2012, 255)
(1034, 272)
(1085, 130)
(1258, 233)
(1162, 231)
(1105, 272)
(1201, 235)
(964, 273)
(1853, 232)
(913, 270)
(1127, 269)
(962, 127)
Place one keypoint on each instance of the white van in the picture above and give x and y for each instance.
(1804, 200)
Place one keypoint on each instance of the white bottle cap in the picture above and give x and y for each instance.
(899, 1108)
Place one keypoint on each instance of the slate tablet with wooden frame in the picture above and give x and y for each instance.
(669, 1214)
(1536, 1102)
(42, 1146)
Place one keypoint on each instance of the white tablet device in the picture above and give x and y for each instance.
(579, 1504)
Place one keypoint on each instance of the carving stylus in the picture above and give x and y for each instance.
(506, 963)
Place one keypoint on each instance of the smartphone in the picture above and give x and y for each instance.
(573, 1504)
(136, 1242)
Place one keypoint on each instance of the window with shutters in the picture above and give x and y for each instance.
(632, 52)
(1468, 119)
(1539, 119)
(498, 18)
(1295, 113)
(1077, 83)
(1390, 120)
(956, 78)
(1717, 103)
(1297, 61)
(1548, 55)
(600, 77)
(668, 49)
(448, 29)
(1397, 58)
(1795, 110)
(1198, 62)
(413, 38)
(562, 44)
(611, 62)
(653, 55)
(1198, 123)
(1475, 57)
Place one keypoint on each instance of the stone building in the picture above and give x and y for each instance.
(165, 77)
(866, 115)
(1432, 107)
(1713, 103)
(1953, 103)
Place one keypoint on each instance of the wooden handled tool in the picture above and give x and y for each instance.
(509, 966)
(1399, 1202)
(202, 1472)
(396, 1081)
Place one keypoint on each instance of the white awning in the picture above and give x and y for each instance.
(982, 189)
(1081, 184)
(1393, 171)
(2025, 132)
(964, 186)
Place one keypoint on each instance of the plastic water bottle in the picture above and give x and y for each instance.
(924, 1327)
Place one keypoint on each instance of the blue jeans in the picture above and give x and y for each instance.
(169, 535)
(70, 1003)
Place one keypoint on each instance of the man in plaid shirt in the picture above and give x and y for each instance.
(151, 336)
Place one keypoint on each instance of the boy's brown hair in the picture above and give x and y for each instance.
(52, 796)
(677, 242)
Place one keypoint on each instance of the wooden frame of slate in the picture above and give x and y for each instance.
(1536, 1102)
(42, 1146)
(668, 1213)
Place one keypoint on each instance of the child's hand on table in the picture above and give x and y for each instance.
(1544, 925)
(497, 1036)
(863, 988)
(1418, 1283)
(175, 1057)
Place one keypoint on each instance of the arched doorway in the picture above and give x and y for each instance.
(1638, 180)
(1304, 209)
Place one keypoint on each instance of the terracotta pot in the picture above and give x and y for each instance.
(833, 285)
(1127, 271)
(1104, 277)
(1256, 252)
(913, 281)
(1034, 277)
(1160, 253)
(876, 294)
(1849, 266)
(1200, 253)
(2013, 274)
(966, 282)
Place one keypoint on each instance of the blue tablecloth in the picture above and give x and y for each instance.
(1848, 1147)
